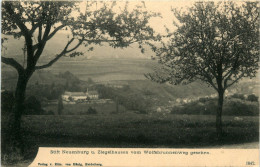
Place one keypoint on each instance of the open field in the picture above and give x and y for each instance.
(81, 109)
(133, 130)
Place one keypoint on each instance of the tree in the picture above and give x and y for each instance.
(252, 98)
(38, 21)
(216, 43)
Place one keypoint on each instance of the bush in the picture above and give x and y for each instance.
(50, 112)
(91, 111)
(197, 108)
(241, 108)
(238, 96)
(252, 98)
(234, 107)
(33, 106)
(203, 99)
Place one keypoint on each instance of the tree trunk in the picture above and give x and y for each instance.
(219, 114)
(14, 134)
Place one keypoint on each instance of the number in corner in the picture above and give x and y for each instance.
(250, 163)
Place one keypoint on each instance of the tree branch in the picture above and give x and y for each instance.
(102, 40)
(207, 77)
(234, 65)
(209, 80)
(40, 33)
(54, 31)
(46, 32)
(12, 62)
(20, 24)
(50, 62)
(27, 35)
(66, 47)
(64, 51)
(35, 26)
(235, 80)
(229, 74)
(42, 43)
(80, 42)
(49, 37)
(212, 84)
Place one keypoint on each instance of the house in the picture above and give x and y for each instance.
(92, 94)
(74, 96)
(79, 96)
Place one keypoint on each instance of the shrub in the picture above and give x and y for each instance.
(238, 96)
(203, 99)
(33, 106)
(241, 108)
(252, 98)
(50, 112)
(234, 107)
(91, 111)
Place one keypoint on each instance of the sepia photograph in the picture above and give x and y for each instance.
(128, 74)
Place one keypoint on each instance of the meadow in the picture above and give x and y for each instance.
(82, 108)
(130, 129)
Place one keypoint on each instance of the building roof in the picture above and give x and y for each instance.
(74, 93)
(92, 92)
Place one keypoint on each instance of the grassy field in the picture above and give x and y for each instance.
(133, 130)
(75, 109)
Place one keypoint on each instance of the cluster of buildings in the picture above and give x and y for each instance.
(80, 96)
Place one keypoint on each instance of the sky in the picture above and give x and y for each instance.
(163, 7)
(158, 24)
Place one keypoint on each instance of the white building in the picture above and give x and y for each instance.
(79, 96)
(74, 96)
(92, 94)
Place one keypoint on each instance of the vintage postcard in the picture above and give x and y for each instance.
(130, 83)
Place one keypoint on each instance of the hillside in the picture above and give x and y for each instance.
(58, 42)
(100, 70)
(167, 92)
(43, 77)
(119, 71)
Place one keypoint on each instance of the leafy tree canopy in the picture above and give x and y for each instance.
(217, 43)
(214, 42)
(38, 21)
